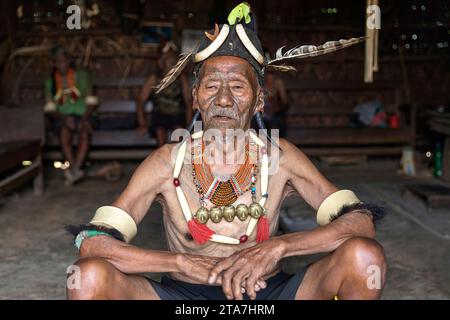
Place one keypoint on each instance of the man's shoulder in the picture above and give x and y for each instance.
(164, 157)
(159, 160)
(290, 154)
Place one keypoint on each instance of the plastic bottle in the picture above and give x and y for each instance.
(438, 159)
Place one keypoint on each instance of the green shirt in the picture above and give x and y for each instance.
(83, 84)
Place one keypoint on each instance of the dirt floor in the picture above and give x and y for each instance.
(35, 250)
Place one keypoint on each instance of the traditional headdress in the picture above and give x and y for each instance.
(239, 38)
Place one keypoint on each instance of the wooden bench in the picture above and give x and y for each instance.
(116, 136)
(322, 130)
(21, 140)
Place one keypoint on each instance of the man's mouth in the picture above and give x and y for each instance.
(223, 118)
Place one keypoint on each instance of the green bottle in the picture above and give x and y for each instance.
(438, 159)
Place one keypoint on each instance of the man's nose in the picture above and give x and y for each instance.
(224, 97)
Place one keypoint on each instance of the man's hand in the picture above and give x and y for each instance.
(246, 268)
(197, 267)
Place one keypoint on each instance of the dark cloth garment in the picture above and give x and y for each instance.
(170, 111)
(170, 101)
(281, 286)
(60, 122)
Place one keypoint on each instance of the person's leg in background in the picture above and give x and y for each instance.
(160, 136)
(85, 131)
(66, 139)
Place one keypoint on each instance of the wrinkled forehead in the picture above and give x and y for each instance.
(228, 65)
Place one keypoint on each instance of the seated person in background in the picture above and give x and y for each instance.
(172, 108)
(69, 96)
(276, 103)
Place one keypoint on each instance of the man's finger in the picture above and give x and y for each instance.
(236, 283)
(219, 280)
(227, 276)
(250, 287)
(261, 283)
(219, 267)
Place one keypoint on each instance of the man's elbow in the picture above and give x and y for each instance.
(367, 226)
(371, 229)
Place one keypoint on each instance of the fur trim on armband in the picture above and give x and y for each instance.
(76, 229)
(377, 212)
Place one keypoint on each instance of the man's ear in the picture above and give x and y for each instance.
(259, 106)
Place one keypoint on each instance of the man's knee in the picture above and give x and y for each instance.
(93, 277)
(364, 257)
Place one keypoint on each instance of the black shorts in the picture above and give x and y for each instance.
(60, 122)
(281, 286)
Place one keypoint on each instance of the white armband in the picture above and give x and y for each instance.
(331, 206)
(113, 217)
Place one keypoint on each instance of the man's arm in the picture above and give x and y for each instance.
(142, 98)
(314, 188)
(135, 200)
(257, 261)
(146, 183)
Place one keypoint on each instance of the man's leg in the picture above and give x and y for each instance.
(99, 279)
(350, 272)
(66, 144)
(84, 139)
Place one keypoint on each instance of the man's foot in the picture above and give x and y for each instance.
(73, 176)
(69, 178)
(78, 174)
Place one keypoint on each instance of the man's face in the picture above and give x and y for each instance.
(62, 63)
(228, 93)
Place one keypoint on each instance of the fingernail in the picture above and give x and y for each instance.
(211, 279)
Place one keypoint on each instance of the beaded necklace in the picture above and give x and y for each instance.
(197, 222)
(223, 193)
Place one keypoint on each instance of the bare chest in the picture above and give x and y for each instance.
(177, 233)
